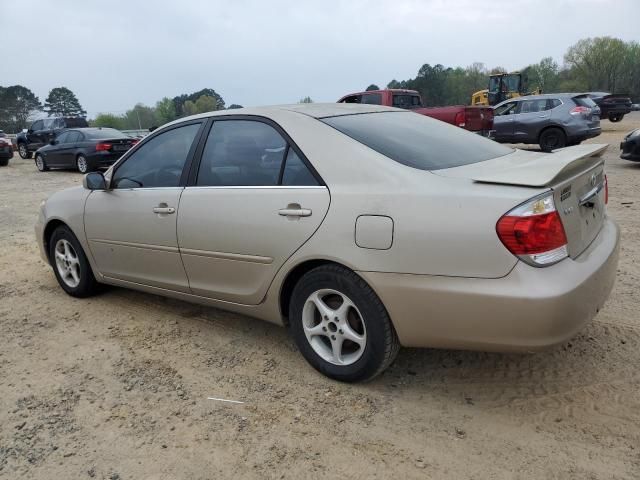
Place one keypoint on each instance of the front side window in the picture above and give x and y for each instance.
(506, 109)
(63, 138)
(37, 125)
(159, 161)
(417, 141)
(241, 153)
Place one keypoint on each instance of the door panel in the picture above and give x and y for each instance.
(130, 241)
(233, 240)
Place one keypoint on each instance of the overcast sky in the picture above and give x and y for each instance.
(114, 53)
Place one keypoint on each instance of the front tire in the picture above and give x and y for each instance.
(551, 139)
(340, 325)
(23, 151)
(82, 165)
(70, 264)
(41, 165)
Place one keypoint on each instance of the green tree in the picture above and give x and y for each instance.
(180, 100)
(599, 62)
(305, 100)
(17, 106)
(165, 110)
(62, 101)
(140, 117)
(109, 120)
(371, 87)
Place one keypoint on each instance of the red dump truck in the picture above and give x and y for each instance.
(475, 119)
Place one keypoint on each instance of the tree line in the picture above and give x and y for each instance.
(593, 64)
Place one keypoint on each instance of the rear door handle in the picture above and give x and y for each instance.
(165, 210)
(295, 212)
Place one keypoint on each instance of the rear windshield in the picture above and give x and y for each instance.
(584, 101)
(417, 141)
(406, 101)
(105, 133)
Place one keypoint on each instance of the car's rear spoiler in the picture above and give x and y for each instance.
(538, 169)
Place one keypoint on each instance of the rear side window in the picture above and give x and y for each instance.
(75, 122)
(296, 172)
(584, 101)
(105, 133)
(534, 106)
(74, 137)
(417, 141)
(241, 153)
(554, 102)
(372, 99)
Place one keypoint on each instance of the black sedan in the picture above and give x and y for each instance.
(630, 146)
(85, 149)
(6, 149)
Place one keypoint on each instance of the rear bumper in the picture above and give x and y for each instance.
(103, 159)
(529, 309)
(6, 152)
(585, 134)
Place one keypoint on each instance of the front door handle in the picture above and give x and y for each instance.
(294, 211)
(164, 209)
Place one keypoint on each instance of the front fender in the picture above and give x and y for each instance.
(66, 206)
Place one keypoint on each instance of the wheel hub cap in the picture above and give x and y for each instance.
(334, 327)
(67, 263)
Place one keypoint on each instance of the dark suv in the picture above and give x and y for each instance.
(41, 132)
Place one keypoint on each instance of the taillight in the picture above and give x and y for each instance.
(606, 190)
(103, 147)
(580, 110)
(460, 119)
(133, 141)
(534, 232)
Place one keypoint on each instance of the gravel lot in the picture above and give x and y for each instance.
(116, 387)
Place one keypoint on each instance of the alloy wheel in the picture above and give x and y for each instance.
(82, 164)
(40, 163)
(334, 327)
(22, 150)
(67, 263)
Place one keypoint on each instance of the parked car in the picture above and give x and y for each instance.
(475, 119)
(552, 121)
(613, 107)
(361, 227)
(635, 107)
(630, 146)
(6, 149)
(85, 149)
(41, 132)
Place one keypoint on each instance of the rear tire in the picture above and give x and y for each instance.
(70, 264)
(4, 162)
(552, 138)
(340, 325)
(82, 165)
(616, 117)
(23, 151)
(41, 165)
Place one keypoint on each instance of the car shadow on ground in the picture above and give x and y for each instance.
(462, 375)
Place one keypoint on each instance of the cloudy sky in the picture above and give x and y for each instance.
(114, 53)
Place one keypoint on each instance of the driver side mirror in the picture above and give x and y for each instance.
(94, 181)
(53, 141)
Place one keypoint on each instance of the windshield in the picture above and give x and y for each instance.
(417, 141)
(105, 133)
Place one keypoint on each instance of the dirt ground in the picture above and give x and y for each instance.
(117, 386)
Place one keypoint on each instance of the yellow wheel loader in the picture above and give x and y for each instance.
(502, 86)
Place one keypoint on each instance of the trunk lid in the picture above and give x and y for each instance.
(574, 174)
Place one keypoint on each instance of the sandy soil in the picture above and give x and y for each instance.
(116, 387)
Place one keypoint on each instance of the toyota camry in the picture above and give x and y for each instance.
(361, 228)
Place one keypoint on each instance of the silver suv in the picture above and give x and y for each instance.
(553, 121)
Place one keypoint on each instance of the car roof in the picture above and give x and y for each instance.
(314, 110)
